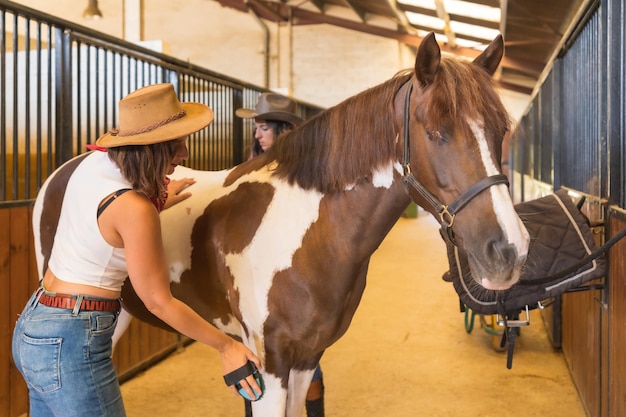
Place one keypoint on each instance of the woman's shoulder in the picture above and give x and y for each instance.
(131, 207)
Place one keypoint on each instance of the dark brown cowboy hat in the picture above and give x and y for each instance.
(153, 114)
(272, 106)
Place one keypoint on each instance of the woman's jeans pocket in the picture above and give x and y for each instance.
(41, 367)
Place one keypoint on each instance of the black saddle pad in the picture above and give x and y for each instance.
(560, 239)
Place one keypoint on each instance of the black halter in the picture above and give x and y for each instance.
(446, 212)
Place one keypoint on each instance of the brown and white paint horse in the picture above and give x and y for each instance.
(276, 250)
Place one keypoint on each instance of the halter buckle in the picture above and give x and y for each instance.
(446, 217)
(407, 169)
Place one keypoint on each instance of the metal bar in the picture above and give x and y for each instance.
(3, 106)
(38, 138)
(15, 67)
(63, 85)
(78, 76)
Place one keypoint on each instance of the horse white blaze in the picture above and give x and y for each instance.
(509, 221)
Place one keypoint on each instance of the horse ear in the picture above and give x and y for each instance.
(491, 56)
(427, 60)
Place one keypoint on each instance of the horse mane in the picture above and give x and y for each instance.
(342, 145)
(346, 143)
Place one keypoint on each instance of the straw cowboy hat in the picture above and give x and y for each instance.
(272, 106)
(153, 114)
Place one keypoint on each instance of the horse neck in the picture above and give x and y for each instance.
(368, 213)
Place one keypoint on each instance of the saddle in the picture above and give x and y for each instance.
(560, 237)
(562, 256)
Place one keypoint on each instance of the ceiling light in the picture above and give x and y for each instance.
(92, 12)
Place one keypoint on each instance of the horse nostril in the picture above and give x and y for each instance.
(501, 251)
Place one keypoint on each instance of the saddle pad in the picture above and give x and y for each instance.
(560, 237)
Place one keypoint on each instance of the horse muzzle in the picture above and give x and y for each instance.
(499, 267)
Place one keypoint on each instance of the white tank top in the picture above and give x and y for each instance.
(80, 254)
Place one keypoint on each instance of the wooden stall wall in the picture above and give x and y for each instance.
(574, 136)
(583, 319)
(582, 335)
(615, 389)
(18, 278)
(140, 346)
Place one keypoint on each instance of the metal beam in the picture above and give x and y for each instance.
(302, 16)
(280, 12)
(401, 16)
(356, 9)
(447, 30)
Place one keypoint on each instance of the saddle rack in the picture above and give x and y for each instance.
(540, 286)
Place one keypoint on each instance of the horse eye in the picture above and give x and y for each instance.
(435, 135)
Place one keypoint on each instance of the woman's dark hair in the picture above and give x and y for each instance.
(145, 166)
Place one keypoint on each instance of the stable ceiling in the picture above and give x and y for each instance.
(533, 29)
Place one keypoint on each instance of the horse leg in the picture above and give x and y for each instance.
(123, 321)
(315, 395)
(299, 382)
(274, 401)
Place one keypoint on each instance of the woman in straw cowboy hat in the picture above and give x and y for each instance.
(273, 115)
(109, 229)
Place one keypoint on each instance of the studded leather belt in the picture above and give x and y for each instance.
(87, 304)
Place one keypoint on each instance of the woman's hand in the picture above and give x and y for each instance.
(174, 191)
(234, 355)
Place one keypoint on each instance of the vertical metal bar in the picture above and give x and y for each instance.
(3, 106)
(616, 102)
(15, 141)
(95, 92)
(105, 99)
(89, 93)
(238, 135)
(115, 82)
(38, 138)
(26, 171)
(63, 87)
(49, 119)
(79, 96)
(558, 134)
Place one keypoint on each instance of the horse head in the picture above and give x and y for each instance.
(454, 124)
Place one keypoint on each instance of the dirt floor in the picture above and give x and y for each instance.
(406, 354)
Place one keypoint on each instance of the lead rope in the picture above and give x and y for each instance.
(508, 335)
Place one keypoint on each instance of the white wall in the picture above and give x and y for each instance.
(319, 64)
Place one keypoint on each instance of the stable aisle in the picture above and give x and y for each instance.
(406, 354)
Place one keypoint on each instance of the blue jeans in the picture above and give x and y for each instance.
(65, 360)
(318, 373)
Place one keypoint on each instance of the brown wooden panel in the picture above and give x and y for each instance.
(582, 315)
(5, 317)
(617, 320)
(138, 349)
(581, 346)
(25, 281)
(16, 275)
